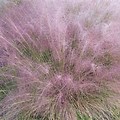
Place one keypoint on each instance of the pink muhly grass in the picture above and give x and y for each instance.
(64, 58)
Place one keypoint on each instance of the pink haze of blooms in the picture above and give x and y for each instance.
(64, 57)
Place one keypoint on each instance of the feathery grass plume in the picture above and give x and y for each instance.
(64, 59)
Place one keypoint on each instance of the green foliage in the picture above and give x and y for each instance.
(106, 59)
(6, 84)
(23, 116)
(5, 87)
(17, 1)
(82, 117)
(34, 54)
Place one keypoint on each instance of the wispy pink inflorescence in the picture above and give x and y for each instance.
(64, 57)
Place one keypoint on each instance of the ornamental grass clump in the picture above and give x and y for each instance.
(62, 59)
